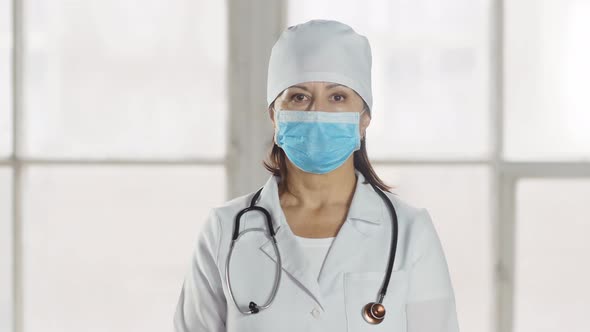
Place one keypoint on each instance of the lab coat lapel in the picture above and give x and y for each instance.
(294, 262)
(293, 259)
(363, 221)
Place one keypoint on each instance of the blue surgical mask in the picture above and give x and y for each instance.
(317, 142)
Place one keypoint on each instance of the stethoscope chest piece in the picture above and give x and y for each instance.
(374, 313)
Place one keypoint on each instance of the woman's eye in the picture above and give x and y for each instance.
(298, 97)
(339, 97)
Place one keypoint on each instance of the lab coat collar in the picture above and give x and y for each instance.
(364, 219)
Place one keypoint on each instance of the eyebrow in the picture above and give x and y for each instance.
(330, 86)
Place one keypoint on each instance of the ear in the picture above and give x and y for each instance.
(364, 123)
(271, 115)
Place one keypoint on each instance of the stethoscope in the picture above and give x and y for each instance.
(373, 312)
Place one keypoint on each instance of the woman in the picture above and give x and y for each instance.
(333, 218)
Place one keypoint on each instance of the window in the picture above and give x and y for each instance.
(121, 124)
(547, 72)
(5, 78)
(552, 271)
(103, 240)
(6, 249)
(132, 80)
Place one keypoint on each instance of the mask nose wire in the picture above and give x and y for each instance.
(309, 108)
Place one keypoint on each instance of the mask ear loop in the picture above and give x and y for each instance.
(275, 116)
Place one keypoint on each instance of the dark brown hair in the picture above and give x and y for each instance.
(277, 165)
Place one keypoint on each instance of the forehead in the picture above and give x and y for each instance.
(317, 84)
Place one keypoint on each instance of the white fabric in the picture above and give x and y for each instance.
(315, 251)
(420, 296)
(320, 50)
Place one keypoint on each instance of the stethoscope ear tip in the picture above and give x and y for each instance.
(374, 313)
(253, 308)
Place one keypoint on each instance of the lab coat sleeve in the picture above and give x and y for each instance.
(430, 305)
(202, 304)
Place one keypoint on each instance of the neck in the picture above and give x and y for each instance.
(315, 191)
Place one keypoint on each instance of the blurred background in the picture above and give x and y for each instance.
(122, 122)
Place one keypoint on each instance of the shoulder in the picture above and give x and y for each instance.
(225, 212)
(218, 222)
(411, 213)
(236, 203)
(417, 224)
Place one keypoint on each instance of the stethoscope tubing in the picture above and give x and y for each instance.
(253, 307)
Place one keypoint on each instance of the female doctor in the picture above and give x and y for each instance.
(323, 245)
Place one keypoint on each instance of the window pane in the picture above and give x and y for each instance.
(111, 243)
(552, 250)
(546, 80)
(6, 282)
(430, 73)
(5, 78)
(441, 190)
(125, 78)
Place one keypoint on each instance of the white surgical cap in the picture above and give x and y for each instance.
(320, 50)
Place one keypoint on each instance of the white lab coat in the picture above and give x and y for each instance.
(420, 296)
